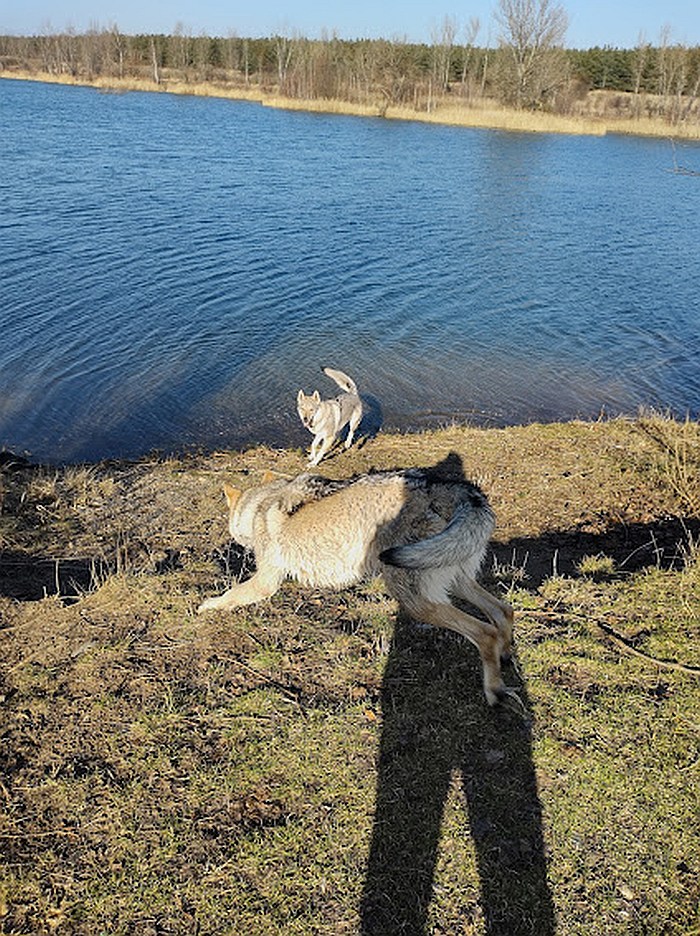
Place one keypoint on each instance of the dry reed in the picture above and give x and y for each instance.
(484, 114)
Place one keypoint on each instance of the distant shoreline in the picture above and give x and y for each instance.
(484, 115)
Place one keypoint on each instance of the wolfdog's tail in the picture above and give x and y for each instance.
(344, 382)
(464, 539)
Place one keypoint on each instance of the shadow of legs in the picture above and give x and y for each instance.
(435, 721)
(505, 820)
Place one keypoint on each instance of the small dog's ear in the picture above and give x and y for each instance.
(316, 396)
(232, 494)
(269, 476)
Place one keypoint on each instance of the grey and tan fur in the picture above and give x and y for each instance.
(427, 535)
(326, 418)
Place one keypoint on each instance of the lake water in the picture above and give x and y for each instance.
(173, 269)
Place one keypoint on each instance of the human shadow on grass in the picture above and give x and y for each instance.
(437, 727)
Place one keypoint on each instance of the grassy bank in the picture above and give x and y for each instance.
(312, 765)
(592, 116)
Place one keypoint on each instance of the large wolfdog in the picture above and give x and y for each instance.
(426, 534)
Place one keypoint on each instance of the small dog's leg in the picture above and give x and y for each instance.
(256, 588)
(321, 451)
(313, 454)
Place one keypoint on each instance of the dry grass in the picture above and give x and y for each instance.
(678, 458)
(313, 766)
(595, 119)
(489, 115)
(484, 115)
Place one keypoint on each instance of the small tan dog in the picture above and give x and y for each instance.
(425, 533)
(326, 418)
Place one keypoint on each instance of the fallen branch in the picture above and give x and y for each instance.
(657, 661)
(680, 170)
(614, 635)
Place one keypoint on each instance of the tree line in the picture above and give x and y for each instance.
(528, 67)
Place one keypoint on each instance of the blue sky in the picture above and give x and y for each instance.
(592, 22)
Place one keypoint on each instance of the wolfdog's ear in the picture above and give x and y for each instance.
(269, 476)
(300, 396)
(316, 396)
(232, 494)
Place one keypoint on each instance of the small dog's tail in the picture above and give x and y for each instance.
(465, 538)
(344, 382)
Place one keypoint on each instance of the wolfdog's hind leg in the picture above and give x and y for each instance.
(485, 636)
(352, 429)
(498, 612)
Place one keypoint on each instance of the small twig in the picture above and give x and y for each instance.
(517, 706)
(547, 615)
(289, 693)
(9, 836)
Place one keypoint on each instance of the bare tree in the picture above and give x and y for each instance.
(676, 86)
(154, 61)
(246, 60)
(471, 31)
(393, 72)
(180, 44)
(532, 35)
(118, 47)
(640, 63)
(284, 47)
(442, 46)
